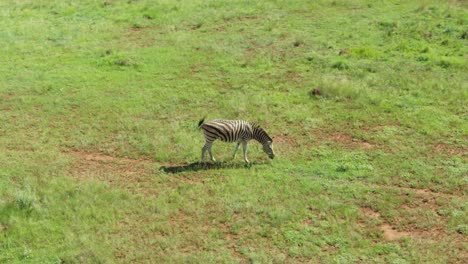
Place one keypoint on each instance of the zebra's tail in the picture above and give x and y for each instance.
(200, 123)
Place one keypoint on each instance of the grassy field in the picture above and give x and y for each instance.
(366, 102)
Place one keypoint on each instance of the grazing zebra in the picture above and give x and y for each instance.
(234, 131)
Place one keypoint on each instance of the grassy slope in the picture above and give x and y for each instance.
(85, 84)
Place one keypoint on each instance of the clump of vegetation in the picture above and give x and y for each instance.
(340, 65)
(25, 201)
(110, 58)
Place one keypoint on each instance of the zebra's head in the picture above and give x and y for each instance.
(268, 149)
(261, 136)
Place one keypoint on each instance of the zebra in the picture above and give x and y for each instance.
(234, 131)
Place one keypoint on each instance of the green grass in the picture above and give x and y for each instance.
(99, 102)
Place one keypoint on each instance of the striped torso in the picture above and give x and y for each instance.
(228, 130)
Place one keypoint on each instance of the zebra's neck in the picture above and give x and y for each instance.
(260, 135)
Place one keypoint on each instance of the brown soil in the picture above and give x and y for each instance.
(390, 233)
(423, 201)
(241, 19)
(117, 171)
(140, 37)
(285, 141)
(342, 139)
(450, 150)
(233, 238)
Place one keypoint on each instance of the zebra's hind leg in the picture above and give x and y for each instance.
(244, 147)
(203, 154)
(204, 149)
(235, 151)
(211, 154)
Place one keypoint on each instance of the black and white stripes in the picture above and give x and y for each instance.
(234, 131)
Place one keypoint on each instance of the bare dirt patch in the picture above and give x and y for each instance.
(390, 233)
(189, 222)
(450, 150)
(249, 52)
(285, 141)
(5, 97)
(376, 128)
(141, 37)
(348, 140)
(294, 76)
(370, 213)
(420, 192)
(117, 171)
(422, 214)
(240, 19)
(108, 159)
(232, 240)
(421, 217)
(342, 139)
(138, 236)
(197, 68)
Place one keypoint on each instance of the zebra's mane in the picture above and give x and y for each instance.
(256, 126)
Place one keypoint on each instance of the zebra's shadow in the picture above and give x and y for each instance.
(197, 166)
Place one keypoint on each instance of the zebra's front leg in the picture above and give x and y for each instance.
(235, 151)
(244, 147)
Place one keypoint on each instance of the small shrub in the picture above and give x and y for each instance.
(448, 62)
(337, 88)
(340, 65)
(464, 35)
(365, 52)
(462, 229)
(342, 168)
(197, 25)
(25, 201)
(116, 59)
(298, 42)
(147, 16)
(422, 58)
(315, 92)
(425, 50)
(388, 27)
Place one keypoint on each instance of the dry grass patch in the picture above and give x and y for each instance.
(116, 171)
(342, 139)
(284, 142)
(232, 241)
(419, 218)
(390, 233)
(141, 37)
(449, 150)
